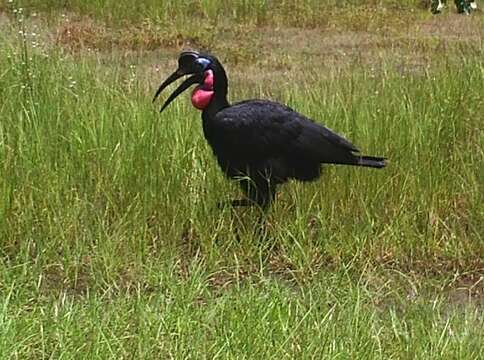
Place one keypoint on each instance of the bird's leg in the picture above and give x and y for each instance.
(245, 202)
(260, 194)
(242, 202)
(259, 191)
(237, 203)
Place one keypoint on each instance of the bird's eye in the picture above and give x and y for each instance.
(203, 63)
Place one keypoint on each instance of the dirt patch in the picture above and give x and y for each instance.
(83, 33)
(453, 27)
(467, 289)
(266, 54)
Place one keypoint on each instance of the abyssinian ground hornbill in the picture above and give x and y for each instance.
(261, 143)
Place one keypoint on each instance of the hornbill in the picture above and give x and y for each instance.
(259, 142)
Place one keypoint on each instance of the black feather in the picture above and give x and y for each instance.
(265, 143)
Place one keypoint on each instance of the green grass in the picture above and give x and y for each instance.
(112, 245)
(258, 12)
(336, 317)
(209, 24)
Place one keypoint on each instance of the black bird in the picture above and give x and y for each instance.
(259, 142)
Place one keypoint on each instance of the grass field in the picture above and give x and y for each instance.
(111, 241)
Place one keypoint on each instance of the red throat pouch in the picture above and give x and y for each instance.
(203, 94)
(201, 98)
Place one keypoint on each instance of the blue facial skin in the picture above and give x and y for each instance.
(203, 62)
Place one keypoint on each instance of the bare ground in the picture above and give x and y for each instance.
(267, 54)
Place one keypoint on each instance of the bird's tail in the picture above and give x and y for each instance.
(371, 161)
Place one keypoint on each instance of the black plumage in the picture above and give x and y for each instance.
(261, 143)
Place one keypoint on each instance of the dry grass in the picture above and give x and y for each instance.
(271, 52)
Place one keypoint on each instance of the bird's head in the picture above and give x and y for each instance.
(206, 71)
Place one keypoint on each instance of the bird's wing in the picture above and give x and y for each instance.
(267, 128)
(254, 126)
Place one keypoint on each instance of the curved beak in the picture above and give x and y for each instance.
(189, 62)
(197, 78)
(173, 77)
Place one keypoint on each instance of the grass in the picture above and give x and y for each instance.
(259, 12)
(207, 24)
(112, 246)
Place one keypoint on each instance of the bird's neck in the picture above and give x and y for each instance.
(219, 102)
(220, 89)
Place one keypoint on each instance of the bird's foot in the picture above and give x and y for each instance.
(236, 203)
(242, 203)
